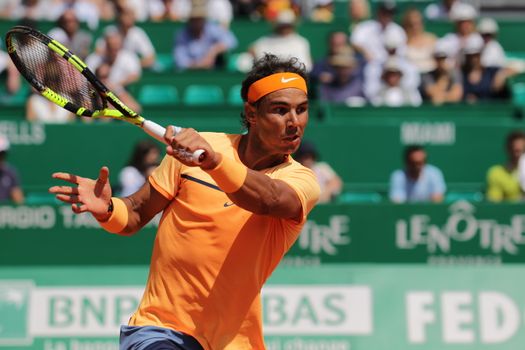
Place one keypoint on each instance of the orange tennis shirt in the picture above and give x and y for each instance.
(211, 258)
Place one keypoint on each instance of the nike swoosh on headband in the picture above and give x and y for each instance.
(284, 80)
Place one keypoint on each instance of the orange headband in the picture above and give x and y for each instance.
(274, 82)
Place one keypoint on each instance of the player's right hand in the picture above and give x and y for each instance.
(87, 195)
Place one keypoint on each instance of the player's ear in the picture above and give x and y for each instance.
(249, 112)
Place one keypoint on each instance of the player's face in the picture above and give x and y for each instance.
(280, 120)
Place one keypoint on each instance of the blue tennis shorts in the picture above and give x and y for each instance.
(155, 338)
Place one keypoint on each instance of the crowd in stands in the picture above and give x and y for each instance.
(379, 61)
(385, 58)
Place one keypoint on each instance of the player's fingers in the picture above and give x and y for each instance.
(66, 177)
(170, 133)
(77, 209)
(67, 198)
(63, 190)
(103, 175)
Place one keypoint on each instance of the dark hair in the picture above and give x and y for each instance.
(139, 153)
(513, 136)
(411, 149)
(267, 65)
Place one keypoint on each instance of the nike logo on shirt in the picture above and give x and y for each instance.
(284, 80)
(228, 204)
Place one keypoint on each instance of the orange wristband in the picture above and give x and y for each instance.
(229, 175)
(119, 217)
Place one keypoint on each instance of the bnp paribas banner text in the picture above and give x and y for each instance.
(395, 307)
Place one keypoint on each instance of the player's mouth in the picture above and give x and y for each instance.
(292, 138)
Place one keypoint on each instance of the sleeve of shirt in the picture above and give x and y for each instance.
(494, 192)
(521, 172)
(180, 51)
(225, 37)
(303, 181)
(439, 186)
(146, 47)
(397, 191)
(165, 178)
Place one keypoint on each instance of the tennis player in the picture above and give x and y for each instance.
(226, 222)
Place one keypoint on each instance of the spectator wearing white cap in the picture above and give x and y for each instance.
(493, 54)
(481, 82)
(368, 37)
(464, 16)
(391, 92)
(444, 83)
(346, 83)
(284, 42)
(373, 71)
(9, 182)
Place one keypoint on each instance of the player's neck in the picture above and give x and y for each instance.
(256, 157)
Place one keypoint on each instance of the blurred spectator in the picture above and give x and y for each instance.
(284, 41)
(439, 11)
(329, 182)
(345, 84)
(464, 16)
(218, 11)
(169, 10)
(85, 10)
(444, 84)
(418, 181)
(247, 9)
(323, 11)
(40, 109)
(503, 179)
(144, 159)
(420, 44)
(480, 82)
(368, 37)
(373, 71)
(391, 92)
(273, 8)
(140, 8)
(134, 38)
(493, 54)
(68, 32)
(358, 11)
(37, 10)
(322, 71)
(102, 72)
(9, 75)
(201, 43)
(9, 181)
(125, 65)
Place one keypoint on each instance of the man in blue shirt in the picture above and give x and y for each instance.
(200, 44)
(419, 181)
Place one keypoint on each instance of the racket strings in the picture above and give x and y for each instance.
(48, 69)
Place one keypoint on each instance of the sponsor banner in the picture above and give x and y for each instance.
(395, 307)
(457, 233)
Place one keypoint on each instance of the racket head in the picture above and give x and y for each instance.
(54, 71)
(62, 77)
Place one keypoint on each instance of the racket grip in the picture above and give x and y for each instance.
(157, 131)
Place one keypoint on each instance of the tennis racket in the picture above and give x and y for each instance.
(64, 79)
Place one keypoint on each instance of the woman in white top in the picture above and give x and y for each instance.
(420, 44)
